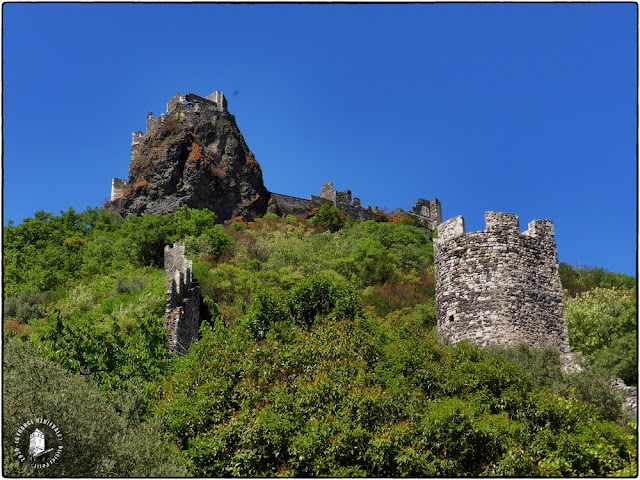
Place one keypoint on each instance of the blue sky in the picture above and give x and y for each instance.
(523, 108)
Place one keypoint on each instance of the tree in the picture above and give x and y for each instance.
(96, 440)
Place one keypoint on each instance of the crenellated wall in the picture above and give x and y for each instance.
(182, 317)
(499, 286)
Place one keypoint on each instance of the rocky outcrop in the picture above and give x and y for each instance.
(193, 155)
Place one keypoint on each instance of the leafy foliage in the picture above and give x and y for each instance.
(330, 217)
(318, 355)
(359, 398)
(97, 440)
(603, 326)
(576, 280)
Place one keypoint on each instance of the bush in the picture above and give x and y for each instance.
(314, 298)
(96, 440)
(25, 306)
(369, 263)
(602, 324)
(267, 308)
(329, 217)
(310, 299)
(359, 398)
(543, 367)
(128, 286)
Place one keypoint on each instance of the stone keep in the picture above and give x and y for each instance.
(499, 286)
(182, 317)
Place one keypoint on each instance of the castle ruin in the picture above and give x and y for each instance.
(428, 212)
(182, 317)
(185, 107)
(499, 286)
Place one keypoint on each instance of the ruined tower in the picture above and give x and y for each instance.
(499, 286)
(182, 317)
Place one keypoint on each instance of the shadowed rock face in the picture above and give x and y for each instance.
(194, 155)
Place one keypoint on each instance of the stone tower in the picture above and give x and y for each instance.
(499, 286)
(182, 316)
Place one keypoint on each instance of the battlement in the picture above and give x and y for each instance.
(540, 228)
(499, 286)
(454, 227)
(182, 317)
(497, 223)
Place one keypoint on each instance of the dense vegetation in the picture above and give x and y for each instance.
(318, 356)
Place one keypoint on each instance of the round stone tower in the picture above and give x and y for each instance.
(499, 286)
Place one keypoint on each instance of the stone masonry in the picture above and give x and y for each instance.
(499, 286)
(427, 211)
(118, 187)
(182, 317)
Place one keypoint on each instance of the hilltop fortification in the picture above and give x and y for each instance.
(499, 286)
(193, 155)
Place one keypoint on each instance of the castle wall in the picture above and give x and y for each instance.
(429, 212)
(295, 206)
(174, 101)
(499, 286)
(182, 316)
(219, 99)
(117, 188)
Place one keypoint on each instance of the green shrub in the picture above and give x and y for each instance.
(267, 308)
(310, 300)
(238, 226)
(97, 441)
(602, 324)
(330, 217)
(270, 216)
(25, 306)
(314, 298)
(369, 263)
(544, 367)
(127, 286)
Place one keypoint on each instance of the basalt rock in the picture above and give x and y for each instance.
(193, 155)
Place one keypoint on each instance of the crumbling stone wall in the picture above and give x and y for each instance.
(499, 286)
(189, 106)
(217, 97)
(182, 317)
(429, 212)
(117, 188)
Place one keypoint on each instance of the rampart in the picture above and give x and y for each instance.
(182, 317)
(428, 212)
(499, 286)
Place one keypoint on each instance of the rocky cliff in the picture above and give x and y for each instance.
(193, 155)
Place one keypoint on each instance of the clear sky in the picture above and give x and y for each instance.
(522, 108)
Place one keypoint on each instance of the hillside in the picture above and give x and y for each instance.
(317, 356)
